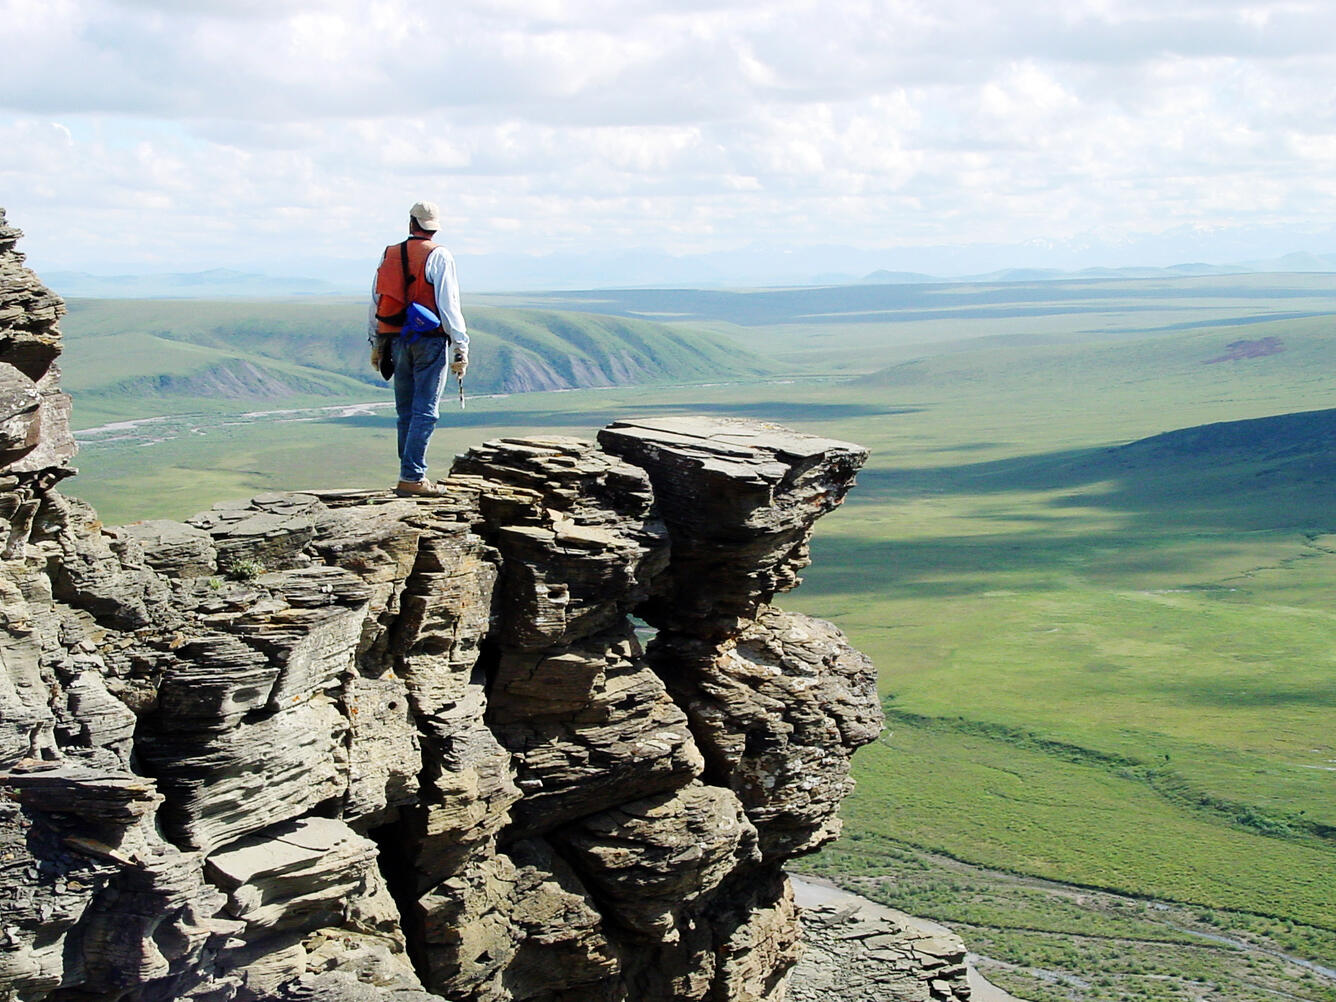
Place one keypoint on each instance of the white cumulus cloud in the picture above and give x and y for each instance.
(235, 131)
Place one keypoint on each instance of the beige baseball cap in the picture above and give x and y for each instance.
(427, 215)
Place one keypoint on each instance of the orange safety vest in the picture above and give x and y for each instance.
(399, 282)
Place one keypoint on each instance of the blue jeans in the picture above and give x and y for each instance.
(420, 370)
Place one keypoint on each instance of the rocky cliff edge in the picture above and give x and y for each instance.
(544, 738)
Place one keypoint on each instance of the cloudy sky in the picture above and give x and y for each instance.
(290, 136)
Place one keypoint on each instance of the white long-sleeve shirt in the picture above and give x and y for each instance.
(440, 272)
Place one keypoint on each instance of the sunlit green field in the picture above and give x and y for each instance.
(1107, 664)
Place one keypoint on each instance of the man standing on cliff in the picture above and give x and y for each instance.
(416, 331)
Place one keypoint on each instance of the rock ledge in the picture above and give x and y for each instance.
(337, 745)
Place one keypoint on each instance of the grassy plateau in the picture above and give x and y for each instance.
(1093, 555)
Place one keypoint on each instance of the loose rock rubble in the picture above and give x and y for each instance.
(335, 745)
(851, 956)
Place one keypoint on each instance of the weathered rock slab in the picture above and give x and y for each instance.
(627, 739)
(225, 784)
(577, 533)
(650, 860)
(778, 714)
(564, 952)
(299, 874)
(739, 499)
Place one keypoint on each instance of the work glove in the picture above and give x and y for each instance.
(460, 364)
(382, 357)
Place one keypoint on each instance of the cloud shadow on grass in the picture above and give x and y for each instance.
(945, 567)
(1166, 507)
(1249, 693)
(1266, 473)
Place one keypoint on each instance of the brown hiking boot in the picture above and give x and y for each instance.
(418, 489)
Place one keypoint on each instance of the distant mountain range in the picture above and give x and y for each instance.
(634, 270)
(1299, 262)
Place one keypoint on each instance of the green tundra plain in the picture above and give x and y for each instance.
(1093, 555)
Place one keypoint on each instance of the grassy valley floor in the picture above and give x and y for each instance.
(1050, 942)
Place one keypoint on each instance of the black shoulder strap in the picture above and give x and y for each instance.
(408, 278)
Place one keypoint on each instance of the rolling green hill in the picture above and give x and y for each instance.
(845, 330)
(134, 358)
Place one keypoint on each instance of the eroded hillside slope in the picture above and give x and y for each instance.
(152, 356)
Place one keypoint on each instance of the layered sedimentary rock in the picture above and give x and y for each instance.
(738, 499)
(778, 702)
(334, 745)
(35, 440)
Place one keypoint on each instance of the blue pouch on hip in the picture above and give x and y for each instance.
(419, 320)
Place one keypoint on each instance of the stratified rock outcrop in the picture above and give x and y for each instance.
(739, 499)
(334, 745)
(778, 702)
(35, 440)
